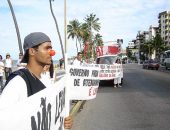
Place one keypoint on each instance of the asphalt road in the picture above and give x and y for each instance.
(143, 103)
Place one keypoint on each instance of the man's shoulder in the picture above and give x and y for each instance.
(76, 61)
(18, 75)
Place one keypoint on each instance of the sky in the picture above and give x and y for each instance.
(119, 19)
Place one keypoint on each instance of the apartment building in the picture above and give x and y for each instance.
(153, 31)
(164, 26)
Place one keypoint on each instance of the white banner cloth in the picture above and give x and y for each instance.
(44, 110)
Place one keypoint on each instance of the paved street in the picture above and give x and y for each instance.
(143, 103)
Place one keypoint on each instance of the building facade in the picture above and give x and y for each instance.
(164, 26)
(153, 31)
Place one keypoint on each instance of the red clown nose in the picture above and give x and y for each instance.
(52, 52)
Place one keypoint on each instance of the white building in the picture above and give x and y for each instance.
(153, 31)
(164, 26)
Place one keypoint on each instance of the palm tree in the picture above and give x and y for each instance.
(158, 44)
(73, 30)
(16, 27)
(84, 33)
(98, 41)
(147, 48)
(92, 22)
(56, 24)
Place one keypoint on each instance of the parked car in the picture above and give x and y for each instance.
(151, 64)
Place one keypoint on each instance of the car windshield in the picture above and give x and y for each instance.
(106, 60)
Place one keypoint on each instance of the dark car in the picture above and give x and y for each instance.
(151, 64)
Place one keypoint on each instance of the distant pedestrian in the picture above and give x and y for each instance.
(8, 65)
(21, 65)
(1, 73)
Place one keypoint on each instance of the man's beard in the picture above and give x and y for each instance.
(44, 63)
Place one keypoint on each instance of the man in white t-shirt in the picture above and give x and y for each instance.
(37, 47)
(78, 59)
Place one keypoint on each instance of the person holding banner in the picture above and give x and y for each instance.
(78, 59)
(28, 81)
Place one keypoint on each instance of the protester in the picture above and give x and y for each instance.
(1, 73)
(117, 81)
(8, 65)
(37, 47)
(78, 59)
(20, 65)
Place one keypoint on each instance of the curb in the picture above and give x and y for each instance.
(76, 108)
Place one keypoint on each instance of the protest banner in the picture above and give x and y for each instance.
(83, 82)
(107, 50)
(108, 72)
(44, 110)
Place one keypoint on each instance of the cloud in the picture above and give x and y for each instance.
(119, 19)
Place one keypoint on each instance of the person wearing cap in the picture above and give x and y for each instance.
(37, 47)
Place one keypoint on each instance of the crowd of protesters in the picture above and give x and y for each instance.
(7, 66)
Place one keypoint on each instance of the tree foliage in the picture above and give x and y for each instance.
(86, 34)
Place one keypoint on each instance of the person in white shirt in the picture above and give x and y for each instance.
(37, 47)
(1, 73)
(20, 65)
(8, 65)
(78, 59)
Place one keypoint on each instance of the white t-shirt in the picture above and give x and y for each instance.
(8, 63)
(76, 62)
(15, 91)
(1, 68)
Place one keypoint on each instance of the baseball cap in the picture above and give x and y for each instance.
(33, 39)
